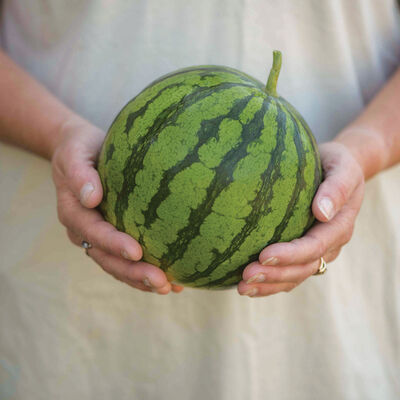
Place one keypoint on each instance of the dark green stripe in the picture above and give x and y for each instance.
(167, 117)
(317, 170)
(110, 152)
(138, 113)
(317, 165)
(223, 177)
(208, 130)
(234, 273)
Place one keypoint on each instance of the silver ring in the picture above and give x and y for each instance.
(322, 267)
(86, 246)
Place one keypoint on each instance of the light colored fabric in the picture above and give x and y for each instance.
(68, 330)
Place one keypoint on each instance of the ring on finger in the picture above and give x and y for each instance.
(322, 267)
(86, 245)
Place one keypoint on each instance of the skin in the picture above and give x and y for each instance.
(367, 146)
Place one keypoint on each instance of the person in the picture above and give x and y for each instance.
(66, 70)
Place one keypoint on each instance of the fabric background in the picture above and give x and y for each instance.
(68, 330)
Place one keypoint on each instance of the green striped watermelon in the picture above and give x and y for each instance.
(205, 167)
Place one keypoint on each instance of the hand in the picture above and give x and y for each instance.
(79, 191)
(283, 266)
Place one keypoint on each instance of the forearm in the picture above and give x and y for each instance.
(374, 137)
(30, 116)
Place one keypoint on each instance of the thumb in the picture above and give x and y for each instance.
(342, 176)
(84, 181)
(74, 160)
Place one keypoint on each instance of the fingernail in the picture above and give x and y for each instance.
(147, 283)
(251, 292)
(326, 207)
(256, 278)
(270, 261)
(125, 254)
(86, 191)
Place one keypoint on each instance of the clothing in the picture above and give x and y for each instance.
(68, 330)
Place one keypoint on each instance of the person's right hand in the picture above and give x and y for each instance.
(79, 191)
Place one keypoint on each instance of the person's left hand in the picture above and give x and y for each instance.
(283, 266)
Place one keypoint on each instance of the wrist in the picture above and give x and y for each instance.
(367, 147)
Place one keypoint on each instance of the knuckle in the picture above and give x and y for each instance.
(106, 268)
(332, 255)
(345, 228)
(348, 235)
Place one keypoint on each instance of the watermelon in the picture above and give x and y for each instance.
(205, 167)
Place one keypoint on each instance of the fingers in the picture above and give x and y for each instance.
(259, 280)
(140, 275)
(176, 288)
(282, 266)
(320, 239)
(79, 190)
(265, 289)
(155, 278)
(342, 175)
(257, 273)
(89, 225)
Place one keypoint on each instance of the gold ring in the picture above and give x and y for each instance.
(322, 267)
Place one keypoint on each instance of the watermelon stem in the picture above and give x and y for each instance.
(270, 89)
